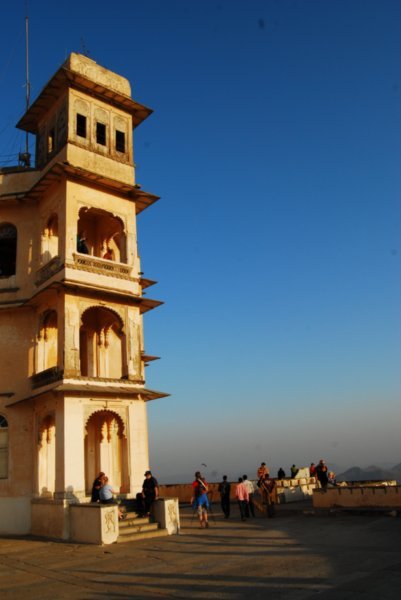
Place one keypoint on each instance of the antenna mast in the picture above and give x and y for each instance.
(25, 157)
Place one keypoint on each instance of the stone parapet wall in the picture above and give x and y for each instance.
(288, 490)
(379, 496)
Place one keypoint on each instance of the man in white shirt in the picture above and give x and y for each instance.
(250, 487)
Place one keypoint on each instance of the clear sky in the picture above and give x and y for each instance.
(275, 148)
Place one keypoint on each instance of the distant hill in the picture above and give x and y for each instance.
(370, 473)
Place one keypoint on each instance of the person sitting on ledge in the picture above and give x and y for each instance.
(106, 495)
(97, 484)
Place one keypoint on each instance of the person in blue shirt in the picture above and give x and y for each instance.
(199, 500)
(106, 494)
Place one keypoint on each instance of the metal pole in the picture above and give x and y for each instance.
(28, 86)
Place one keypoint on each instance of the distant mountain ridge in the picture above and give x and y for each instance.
(370, 473)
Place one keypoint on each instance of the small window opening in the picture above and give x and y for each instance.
(50, 142)
(8, 250)
(101, 133)
(81, 125)
(120, 141)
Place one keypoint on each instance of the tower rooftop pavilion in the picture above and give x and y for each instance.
(83, 73)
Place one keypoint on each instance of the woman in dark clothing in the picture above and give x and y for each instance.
(97, 484)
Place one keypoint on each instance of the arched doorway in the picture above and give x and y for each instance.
(106, 450)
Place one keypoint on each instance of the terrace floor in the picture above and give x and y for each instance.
(296, 555)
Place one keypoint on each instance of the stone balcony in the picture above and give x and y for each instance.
(84, 262)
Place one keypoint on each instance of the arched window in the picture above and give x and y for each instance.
(50, 239)
(101, 234)
(8, 249)
(3, 447)
(102, 344)
(47, 456)
(47, 341)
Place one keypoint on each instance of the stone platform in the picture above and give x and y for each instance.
(295, 556)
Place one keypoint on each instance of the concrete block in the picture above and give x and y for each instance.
(15, 515)
(166, 512)
(50, 518)
(94, 523)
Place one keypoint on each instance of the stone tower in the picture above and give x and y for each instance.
(72, 359)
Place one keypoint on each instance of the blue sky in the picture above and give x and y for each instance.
(275, 148)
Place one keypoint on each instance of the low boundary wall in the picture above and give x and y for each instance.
(359, 497)
(288, 490)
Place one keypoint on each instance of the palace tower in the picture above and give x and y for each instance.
(72, 358)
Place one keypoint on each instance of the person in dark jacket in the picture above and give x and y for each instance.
(150, 491)
(322, 473)
(281, 473)
(224, 490)
(97, 484)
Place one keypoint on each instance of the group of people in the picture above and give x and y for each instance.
(322, 474)
(320, 471)
(245, 490)
(244, 493)
(103, 493)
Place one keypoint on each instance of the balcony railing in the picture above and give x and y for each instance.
(102, 266)
(46, 377)
(48, 270)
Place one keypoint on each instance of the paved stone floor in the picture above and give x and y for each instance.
(293, 556)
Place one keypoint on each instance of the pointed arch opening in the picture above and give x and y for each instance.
(47, 341)
(50, 239)
(101, 234)
(102, 344)
(47, 456)
(106, 450)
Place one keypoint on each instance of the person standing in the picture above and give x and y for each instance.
(224, 490)
(249, 508)
(199, 499)
(82, 246)
(321, 473)
(150, 491)
(280, 473)
(262, 471)
(269, 494)
(241, 493)
(312, 470)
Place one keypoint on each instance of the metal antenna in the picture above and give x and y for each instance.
(25, 157)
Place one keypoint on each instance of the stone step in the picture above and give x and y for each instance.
(132, 516)
(137, 524)
(143, 535)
